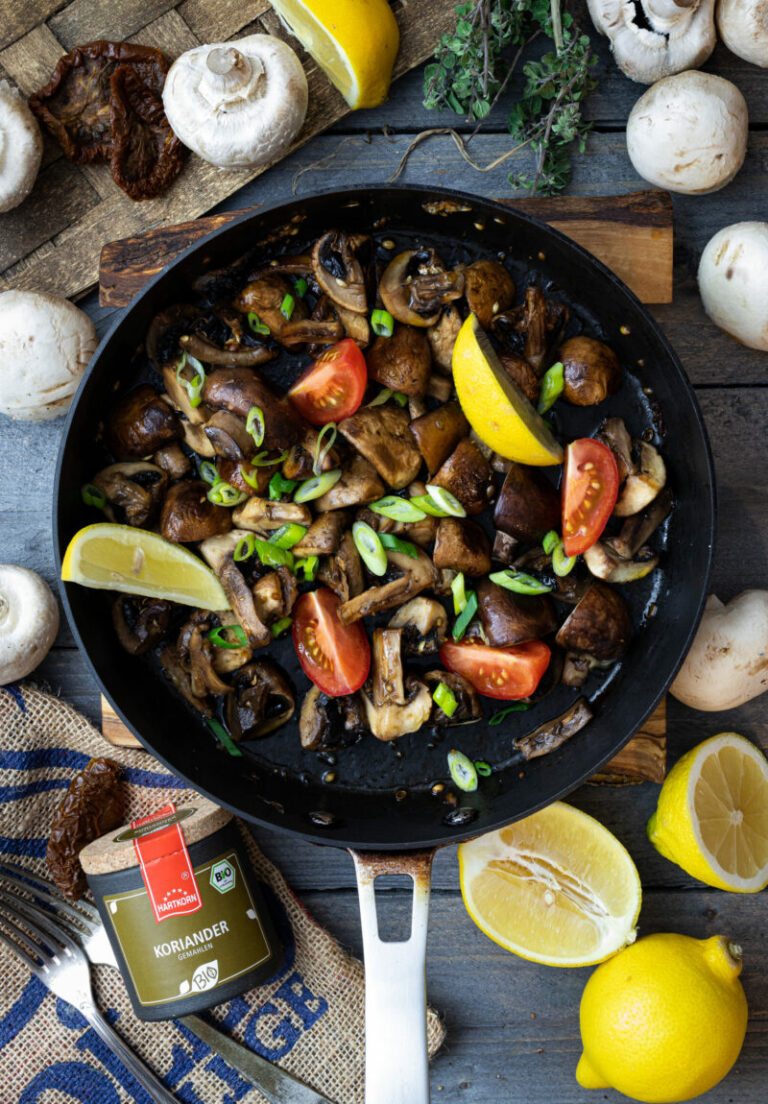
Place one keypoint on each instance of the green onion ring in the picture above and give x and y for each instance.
(323, 447)
(317, 486)
(93, 496)
(216, 638)
(445, 699)
(254, 424)
(519, 582)
(369, 545)
(397, 508)
(445, 500)
(462, 770)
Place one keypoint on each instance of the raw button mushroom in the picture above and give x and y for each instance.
(45, 346)
(21, 147)
(733, 282)
(743, 26)
(689, 133)
(653, 39)
(237, 104)
(29, 621)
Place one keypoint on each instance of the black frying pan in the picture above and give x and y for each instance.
(364, 808)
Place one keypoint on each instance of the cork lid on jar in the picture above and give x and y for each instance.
(198, 818)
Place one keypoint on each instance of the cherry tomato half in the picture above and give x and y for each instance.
(333, 387)
(590, 489)
(508, 673)
(335, 657)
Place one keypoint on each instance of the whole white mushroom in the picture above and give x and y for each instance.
(237, 104)
(688, 133)
(743, 26)
(21, 147)
(733, 281)
(652, 39)
(29, 621)
(728, 661)
(45, 346)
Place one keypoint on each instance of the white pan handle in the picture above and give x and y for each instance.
(396, 1065)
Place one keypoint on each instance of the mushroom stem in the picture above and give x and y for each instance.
(227, 71)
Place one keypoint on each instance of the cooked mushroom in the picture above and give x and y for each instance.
(300, 461)
(312, 332)
(327, 723)
(643, 485)
(639, 527)
(605, 564)
(416, 575)
(467, 475)
(510, 618)
(231, 471)
(173, 461)
(194, 438)
(196, 653)
(262, 514)
(140, 623)
(539, 321)
(387, 668)
(342, 571)
(390, 721)
(534, 323)
(614, 433)
(265, 297)
(133, 492)
(401, 361)
(591, 371)
(504, 548)
(489, 289)
(415, 285)
(383, 436)
(440, 388)
(421, 532)
(178, 396)
(240, 389)
(243, 603)
(245, 356)
(424, 625)
(323, 536)
(339, 264)
(468, 708)
(521, 373)
(140, 424)
(438, 433)
(528, 505)
(228, 436)
(359, 484)
(216, 550)
(187, 515)
(274, 595)
(227, 660)
(176, 673)
(599, 626)
(462, 545)
(262, 700)
(552, 734)
(442, 337)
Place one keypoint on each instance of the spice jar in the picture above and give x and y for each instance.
(184, 914)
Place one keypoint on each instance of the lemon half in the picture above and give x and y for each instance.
(556, 888)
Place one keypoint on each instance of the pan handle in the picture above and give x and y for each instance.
(396, 1065)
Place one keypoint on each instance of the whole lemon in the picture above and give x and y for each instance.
(663, 1020)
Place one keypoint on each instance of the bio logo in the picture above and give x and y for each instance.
(223, 876)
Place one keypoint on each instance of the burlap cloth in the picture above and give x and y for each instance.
(308, 1018)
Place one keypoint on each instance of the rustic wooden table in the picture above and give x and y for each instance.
(513, 1026)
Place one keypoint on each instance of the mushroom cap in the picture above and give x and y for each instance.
(29, 621)
(733, 281)
(21, 147)
(688, 133)
(45, 346)
(237, 104)
(653, 39)
(743, 26)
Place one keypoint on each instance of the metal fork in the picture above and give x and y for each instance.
(54, 957)
(83, 924)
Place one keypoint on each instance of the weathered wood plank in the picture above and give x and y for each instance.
(218, 20)
(62, 195)
(83, 21)
(31, 60)
(168, 33)
(20, 16)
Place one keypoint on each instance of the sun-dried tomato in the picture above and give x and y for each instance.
(146, 154)
(92, 805)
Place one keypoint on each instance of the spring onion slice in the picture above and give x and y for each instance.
(288, 535)
(394, 544)
(223, 736)
(397, 508)
(264, 460)
(224, 494)
(499, 716)
(483, 769)
(445, 699)
(271, 555)
(550, 541)
(462, 770)
(427, 504)
(400, 398)
(93, 496)
(519, 582)
(445, 500)
(193, 387)
(317, 486)
(382, 323)
(281, 625)
(300, 287)
(254, 424)
(244, 548)
(462, 621)
(308, 566)
(383, 396)
(286, 307)
(209, 473)
(368, 544)
(459, 593)
(279, 485)
(256, 324)
(215, 636)
(562, 565)
(552, 384)
(326, 439)
(250, 477)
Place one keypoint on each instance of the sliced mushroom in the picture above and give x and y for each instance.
(528, 505)
(231, 471)
(509, 618)
(187, 515)
(638, 528)
(173, 461)
(552, 734)
(178, 396)
(387, 668)
(521, 373)
(177, 675)
(216, 550)
(300, 461)
(134, 492)
(539, 321)
(140, 424)
(577, 668)
(415, 286)
(260, 514)
(462, 545)
(440, 388)
(342, 571)
(504, 548)
(140, 623)
(196, 652)
(339, 264)
(228, 436)
(467, 475)
(402, 361)
(194, 438)
(417, 575)
(468, 708)
(262, 700)
(599, 626)
(327, 723)
(311, 331)
(323, 536)
(489, 289)
(355, 325)
(359, 484)
(591, 371)
(424, 625)
(442, 337)
(265, 297)
(438, 433)
(607, 565)
(535, 328)
(243, 603)
(614, 433)
(240, 389)
(390, 721)
(383, 437)
(643, 485)
(274, 595)
(227, 660)
(203, 349)
(421, 532)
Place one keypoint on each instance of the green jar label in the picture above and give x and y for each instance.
(186, 955)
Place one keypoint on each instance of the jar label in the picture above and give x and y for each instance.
(165, 865)
(190, 954)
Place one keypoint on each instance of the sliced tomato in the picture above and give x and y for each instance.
(333, 387)
(590, 489)
(335, 657)
(509, 673)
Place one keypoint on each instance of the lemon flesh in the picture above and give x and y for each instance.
(712, 815)
(555, 888)
(353, 41)
(494, 405)
(134, 561)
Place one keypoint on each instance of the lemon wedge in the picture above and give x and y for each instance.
(353, 41)
(712, 816)
(134, 561)
(494, 405)
(555, 888)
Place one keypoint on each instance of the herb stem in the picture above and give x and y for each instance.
(557, 25)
